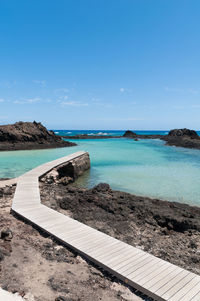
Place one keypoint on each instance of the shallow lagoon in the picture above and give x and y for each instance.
(145, 167)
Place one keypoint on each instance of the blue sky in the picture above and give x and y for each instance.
(100, 64)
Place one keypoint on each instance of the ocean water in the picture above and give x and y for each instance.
(105, 132)
(144, 167)
(108, 132)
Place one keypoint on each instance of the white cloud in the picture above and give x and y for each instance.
(2, 99)
(73, 103)
(27, 101)
(62, 98)
(179, 107)
(7, 84)
(186, 107)
(42, 83)
(60, 92)
(178, 90)
(95, 100)
(168, 89)
(195, 106)
(193, 91)
(121, 119)
(122, 90)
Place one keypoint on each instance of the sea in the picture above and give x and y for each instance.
(146, 167)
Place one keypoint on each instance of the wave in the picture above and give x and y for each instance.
(102, 134)
(98, 134)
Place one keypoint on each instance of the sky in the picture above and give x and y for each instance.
(100, 64)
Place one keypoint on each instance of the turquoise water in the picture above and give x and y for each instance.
(145, 167)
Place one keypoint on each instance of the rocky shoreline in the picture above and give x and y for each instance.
(39, 268)
(168, 230)
(28, 136)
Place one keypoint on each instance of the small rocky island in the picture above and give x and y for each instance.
(177, 137)
(183, 138)
(29, 135)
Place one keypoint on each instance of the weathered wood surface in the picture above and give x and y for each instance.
(153, 276)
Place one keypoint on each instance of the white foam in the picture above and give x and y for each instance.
(102, 134)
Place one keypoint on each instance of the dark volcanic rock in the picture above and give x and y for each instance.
(168, 230)
(183, 132)
(61, 298)
(6, 234)
(1, 255)
(29, 135)
(170, 215)
(86, 136)
(102, 187)
(130, 134)
(183, 138)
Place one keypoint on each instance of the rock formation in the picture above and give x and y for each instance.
(29, 135)
(130, 134)
(183, 138)
(183, 132)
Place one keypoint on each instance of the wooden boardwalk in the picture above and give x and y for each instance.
(152, 276)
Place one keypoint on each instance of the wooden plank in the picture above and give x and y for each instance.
(126, 262)
(134, 264)
(163, 285)
(193, 291)
(171, 288)
(151, 272)
(143, 269)
(121, 257)
(182, 289)
(196, 297)
(160, 276)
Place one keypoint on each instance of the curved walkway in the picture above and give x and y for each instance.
(152, 276)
